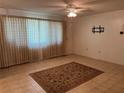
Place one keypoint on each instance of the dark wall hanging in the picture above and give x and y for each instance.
(98, 29)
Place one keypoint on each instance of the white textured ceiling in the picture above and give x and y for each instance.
(94, 6)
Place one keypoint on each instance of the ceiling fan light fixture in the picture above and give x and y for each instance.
(72, 14)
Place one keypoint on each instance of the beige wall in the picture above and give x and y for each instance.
(108, 46)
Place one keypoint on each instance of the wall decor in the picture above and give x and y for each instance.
(98, 29)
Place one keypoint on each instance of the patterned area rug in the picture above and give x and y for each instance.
(63, 78)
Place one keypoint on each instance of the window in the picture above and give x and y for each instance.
(32, 32)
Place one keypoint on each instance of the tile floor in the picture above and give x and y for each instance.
(16, 79)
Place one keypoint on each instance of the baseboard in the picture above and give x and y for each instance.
(98, 59)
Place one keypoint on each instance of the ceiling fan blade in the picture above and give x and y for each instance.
(67, 1)
(95, 2)
(84, 10)
(49, 6)
(81, 8)
(71, 2)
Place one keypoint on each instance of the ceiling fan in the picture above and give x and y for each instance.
(70, 7)
(72, 10)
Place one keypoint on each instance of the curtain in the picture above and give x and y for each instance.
(29, 39)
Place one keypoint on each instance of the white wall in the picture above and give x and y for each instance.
(108, 46)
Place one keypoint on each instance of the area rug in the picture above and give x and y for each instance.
(65, 77)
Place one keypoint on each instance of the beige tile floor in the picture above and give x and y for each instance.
(16, 79)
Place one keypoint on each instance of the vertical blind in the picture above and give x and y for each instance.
(29, 39)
